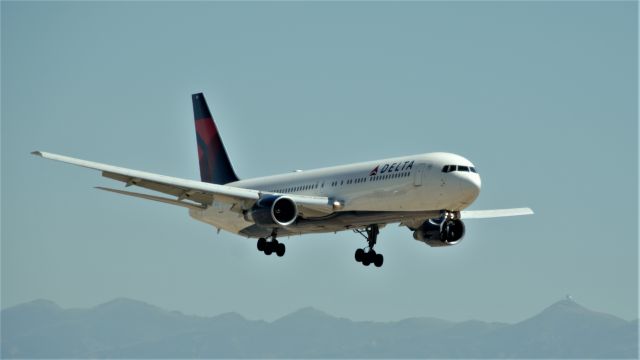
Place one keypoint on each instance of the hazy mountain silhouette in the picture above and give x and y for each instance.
(125, 328)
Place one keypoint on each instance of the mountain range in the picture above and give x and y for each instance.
(125, 328)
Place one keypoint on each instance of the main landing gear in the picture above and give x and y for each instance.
(369, 257)
(273, 246)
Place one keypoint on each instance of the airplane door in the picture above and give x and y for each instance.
(417, 175)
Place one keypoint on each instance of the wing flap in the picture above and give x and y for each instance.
(184, 204)
(201, 197)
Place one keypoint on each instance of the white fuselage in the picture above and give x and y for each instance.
(409, 183)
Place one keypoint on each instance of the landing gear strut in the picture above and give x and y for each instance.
(273, 246)
(369, 257)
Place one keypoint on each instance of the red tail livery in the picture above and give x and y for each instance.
(215, 166)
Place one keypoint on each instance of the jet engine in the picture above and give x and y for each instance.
(272, 211)
(440, 232)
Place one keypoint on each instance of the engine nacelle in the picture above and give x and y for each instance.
(273, 211)
(438, 232)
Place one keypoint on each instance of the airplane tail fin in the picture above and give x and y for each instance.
(215, 166)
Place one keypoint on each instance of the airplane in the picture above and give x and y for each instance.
(427, 193)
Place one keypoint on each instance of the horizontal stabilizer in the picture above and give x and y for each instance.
(486, 214)
(184, 204)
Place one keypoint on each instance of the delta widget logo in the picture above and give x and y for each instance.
(394, 167)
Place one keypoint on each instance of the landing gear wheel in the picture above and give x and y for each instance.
(261, 244)
(367, 260)
(359, 255)
(268, 248)
(378, 260)
(280, 249)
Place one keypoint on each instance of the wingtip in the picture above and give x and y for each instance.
(37, 153)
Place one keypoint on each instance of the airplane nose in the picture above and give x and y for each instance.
(471, 185)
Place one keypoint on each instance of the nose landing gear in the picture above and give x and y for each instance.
(369, 257)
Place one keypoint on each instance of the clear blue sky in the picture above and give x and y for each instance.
(541, 96)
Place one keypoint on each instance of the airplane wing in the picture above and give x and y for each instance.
(486, 214)
(199, 193)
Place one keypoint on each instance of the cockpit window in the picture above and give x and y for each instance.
(450, 168)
